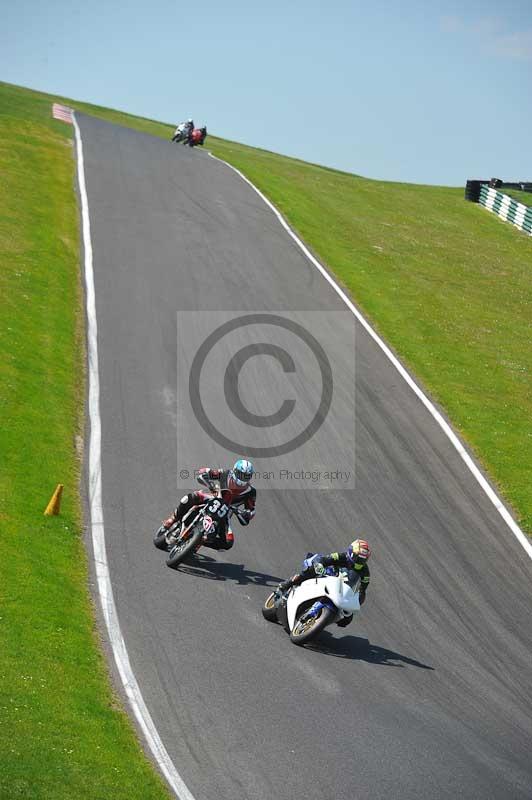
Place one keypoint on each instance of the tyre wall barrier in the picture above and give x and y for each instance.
(503, 205)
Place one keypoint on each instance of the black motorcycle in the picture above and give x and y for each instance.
(199, 526)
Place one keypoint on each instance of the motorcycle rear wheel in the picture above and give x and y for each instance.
(306, 629)
(183, 549)
(269, 610)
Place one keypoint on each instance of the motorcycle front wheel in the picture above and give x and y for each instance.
(306, 628)
(269, 610)
(182, 549)
(159, 540)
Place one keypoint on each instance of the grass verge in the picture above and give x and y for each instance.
(62, 732)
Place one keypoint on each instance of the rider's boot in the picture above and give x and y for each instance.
(171, 538)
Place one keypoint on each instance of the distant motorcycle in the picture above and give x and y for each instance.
(186, 536)
(180, 133)
(317, 602)
(197, 136)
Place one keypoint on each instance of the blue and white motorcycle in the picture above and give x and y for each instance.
(308, 608)
(181, 133)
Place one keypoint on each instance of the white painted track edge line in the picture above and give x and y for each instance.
(105, 590)
(433, 411)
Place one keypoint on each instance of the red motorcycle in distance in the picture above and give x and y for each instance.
(197, 136)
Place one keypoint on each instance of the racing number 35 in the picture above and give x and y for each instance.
(218, 507)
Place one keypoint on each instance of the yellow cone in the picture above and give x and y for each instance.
(54, 505)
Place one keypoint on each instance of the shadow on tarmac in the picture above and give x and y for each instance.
(202, 566)
(358, 649)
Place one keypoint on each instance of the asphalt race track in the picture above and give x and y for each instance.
(428, 693)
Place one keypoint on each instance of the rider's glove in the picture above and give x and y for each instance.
(319, 569)
(205, 476)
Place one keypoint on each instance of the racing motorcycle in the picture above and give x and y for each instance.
(308, 608)
(186, 536)
(197, 136)
(180, 133)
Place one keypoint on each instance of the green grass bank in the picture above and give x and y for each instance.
(63, 734)
(447, 284)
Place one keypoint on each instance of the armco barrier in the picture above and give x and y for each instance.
(505, 207)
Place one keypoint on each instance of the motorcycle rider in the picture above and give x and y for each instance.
(203, 134)
(185, 127)
(189, 127)
(354, 558)
(235, 489)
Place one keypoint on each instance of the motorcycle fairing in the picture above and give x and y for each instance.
(331, 588)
